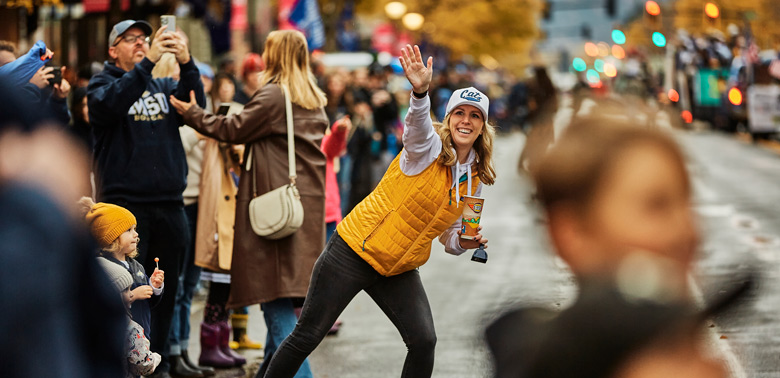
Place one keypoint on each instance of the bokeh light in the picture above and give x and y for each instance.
(413, 21)
(673, 95)
(618, 52)
(395, 10)
(711, 10)
(610, 70)
(659, 39)
(735, 96)
(687, 116)
(579, 65)
(652, 8)
(591, 49)
(618, 36)
(598, 64)
(592, 76)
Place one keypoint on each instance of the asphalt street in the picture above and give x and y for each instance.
(737, 195)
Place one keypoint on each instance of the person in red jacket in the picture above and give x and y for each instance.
(333, 145)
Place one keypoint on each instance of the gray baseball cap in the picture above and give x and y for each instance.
(121, 27)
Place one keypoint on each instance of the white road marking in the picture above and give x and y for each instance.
(735, 367)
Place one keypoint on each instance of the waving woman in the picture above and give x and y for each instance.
(381, 242)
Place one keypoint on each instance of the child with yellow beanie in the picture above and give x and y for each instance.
(114, 229)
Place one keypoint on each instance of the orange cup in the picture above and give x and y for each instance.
(472, 212)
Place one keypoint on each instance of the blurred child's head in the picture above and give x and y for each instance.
(119, 277)
(112, 226)
(610, 188)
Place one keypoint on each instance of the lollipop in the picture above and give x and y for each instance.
(157, 262)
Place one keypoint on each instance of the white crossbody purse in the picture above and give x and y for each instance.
(278, 213)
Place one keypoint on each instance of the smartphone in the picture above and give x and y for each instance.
(169, 21)
(57, 79)
(223, 109)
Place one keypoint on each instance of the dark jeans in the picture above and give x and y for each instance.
(179, 336)
(338, 276)
(163, 231)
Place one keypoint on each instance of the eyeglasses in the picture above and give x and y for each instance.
(133, 38)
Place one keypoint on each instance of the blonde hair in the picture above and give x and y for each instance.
(165, 67)
(286, 59)
(483, 147)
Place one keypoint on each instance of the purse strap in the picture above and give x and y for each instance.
(290, 145)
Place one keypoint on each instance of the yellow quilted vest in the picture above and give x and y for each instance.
(392, 229)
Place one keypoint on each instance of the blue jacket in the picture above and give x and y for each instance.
(138, 156)
(15, 77)
(140, 310)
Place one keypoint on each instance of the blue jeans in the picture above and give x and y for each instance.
(330, 228)
(179, 335)
(280, 321)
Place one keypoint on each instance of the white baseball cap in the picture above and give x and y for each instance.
(469, 96)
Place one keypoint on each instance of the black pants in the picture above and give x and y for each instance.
(164, 233)
(338, 276)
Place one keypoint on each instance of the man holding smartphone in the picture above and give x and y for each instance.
(139, 161)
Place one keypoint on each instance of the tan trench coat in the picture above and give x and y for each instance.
(263, 270)
(216, 209)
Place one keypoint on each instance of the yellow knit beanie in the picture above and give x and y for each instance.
(107, 222)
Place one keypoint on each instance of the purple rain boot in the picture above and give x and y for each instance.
(225, 331)
(210, 352)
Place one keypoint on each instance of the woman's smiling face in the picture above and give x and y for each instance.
(466, 124)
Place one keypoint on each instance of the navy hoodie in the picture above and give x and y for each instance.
(140, 310)
(138, 156)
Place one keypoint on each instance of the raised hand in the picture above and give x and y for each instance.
(157, 278)
(41, 78)
(418, 74)
(182, 51)
(162, 43)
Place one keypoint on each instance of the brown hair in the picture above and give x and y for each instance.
(286, 59)
(8, 46)
(572, 171)
(483, 147)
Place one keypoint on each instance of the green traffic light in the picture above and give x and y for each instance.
(618, 36)
(579, 64)
(659, 39)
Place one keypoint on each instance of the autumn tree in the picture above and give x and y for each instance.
(504, 30)
(762, 15)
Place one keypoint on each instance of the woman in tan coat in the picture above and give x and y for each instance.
(264, 271)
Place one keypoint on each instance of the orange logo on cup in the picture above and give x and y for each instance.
(477, 207)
